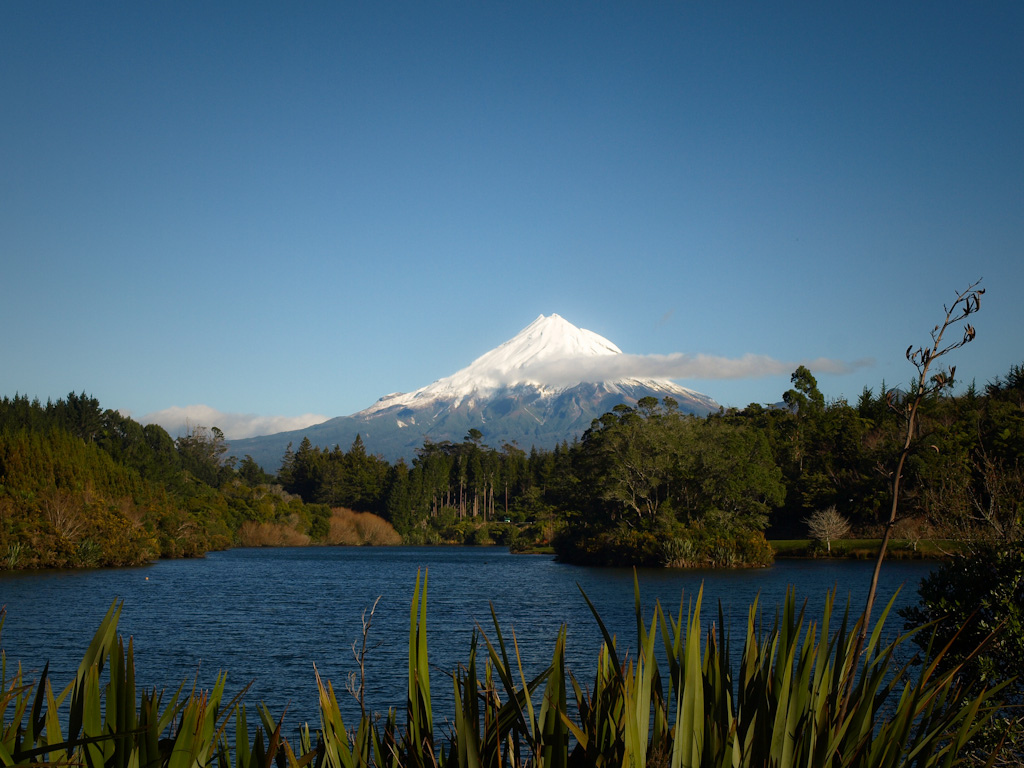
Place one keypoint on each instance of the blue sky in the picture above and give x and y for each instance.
(290, 209)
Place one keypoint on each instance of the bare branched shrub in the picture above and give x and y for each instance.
(827, 525)
(64, 512)
(996, 505)
(911, 530)
(131, 511)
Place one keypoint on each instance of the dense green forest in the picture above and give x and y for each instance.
(81, 486)
(85, 486)
(651, 485)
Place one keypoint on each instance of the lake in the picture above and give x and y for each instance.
(268, 615)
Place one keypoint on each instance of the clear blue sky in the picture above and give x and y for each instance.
(282, 209)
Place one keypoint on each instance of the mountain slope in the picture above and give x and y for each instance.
(539, 388)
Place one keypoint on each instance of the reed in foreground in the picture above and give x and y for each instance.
(778, 705)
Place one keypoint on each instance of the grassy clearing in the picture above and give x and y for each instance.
(538, 549)
(864, 549)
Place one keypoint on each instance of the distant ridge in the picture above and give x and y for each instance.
(536, 389)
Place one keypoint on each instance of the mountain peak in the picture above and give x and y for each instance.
(547, 340)
(544, 385)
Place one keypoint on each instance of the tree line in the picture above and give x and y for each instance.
(646, 484)
(83, 486)
(649, 484)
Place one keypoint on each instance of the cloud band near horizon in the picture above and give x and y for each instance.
(566, 372)
(235, 426)
(672, 366)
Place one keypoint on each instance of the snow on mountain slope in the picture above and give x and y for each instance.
(549, 349)
(540, 388)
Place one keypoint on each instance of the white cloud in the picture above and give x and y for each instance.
(674, 366)
(235, 426)
(564, 372)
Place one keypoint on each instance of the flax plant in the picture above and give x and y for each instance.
(112, 724)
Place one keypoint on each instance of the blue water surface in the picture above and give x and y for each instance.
(266, 616)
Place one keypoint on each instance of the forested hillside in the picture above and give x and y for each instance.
(652, 485)
(81, 486)
(84, 486)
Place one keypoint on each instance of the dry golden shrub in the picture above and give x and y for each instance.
(342, 528)
(376, 531)
(270, 535)
(357, 528)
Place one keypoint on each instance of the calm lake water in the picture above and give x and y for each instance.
(269, 615)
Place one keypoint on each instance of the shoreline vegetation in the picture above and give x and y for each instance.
(344, 528)
(83, 486)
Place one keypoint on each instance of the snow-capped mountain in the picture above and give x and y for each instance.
(541, 387)
(520, 360)
(543, 361)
